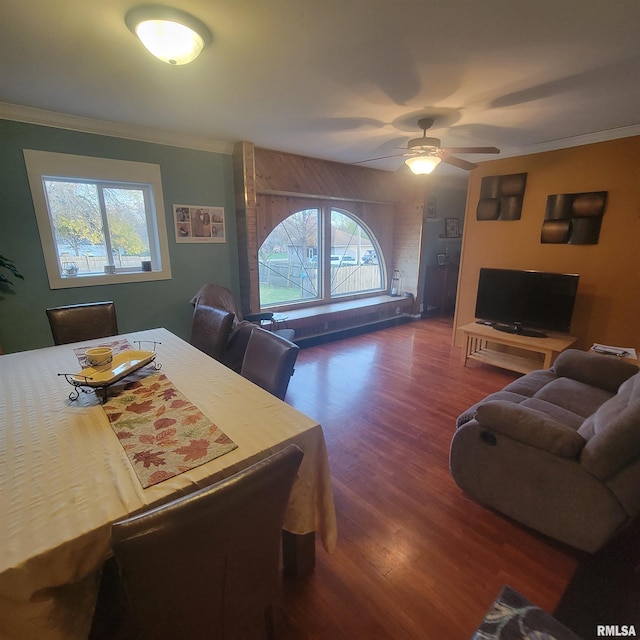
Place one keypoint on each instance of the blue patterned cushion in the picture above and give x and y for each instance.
(513, 617)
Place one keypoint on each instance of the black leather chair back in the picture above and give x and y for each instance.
(219, 297)
(76, 322)
(269, 361)
(210, 329)
(207, 564)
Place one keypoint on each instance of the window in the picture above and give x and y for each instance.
(101, 221)
(300, 262)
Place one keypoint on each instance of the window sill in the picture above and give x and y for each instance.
(326, 319)
(108, 278)
(336, 307)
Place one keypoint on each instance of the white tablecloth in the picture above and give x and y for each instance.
(64, 477)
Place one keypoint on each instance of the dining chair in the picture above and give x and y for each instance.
(210, 329)
(206, 565)
(215, 295)
(269, 361)
(76, 322)
(219, 297)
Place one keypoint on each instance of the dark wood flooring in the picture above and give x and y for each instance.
(415, 557)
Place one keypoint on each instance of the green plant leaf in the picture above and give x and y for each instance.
(9, 266)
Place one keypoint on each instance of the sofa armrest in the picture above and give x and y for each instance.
(597, 370)
(530, 427)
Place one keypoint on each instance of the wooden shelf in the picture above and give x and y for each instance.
(512, 351)
(506, 360)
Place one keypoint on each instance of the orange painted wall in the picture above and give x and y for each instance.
(608, 303)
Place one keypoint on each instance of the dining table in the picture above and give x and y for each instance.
(69, 468)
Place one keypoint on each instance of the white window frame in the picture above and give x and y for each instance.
(45, 164)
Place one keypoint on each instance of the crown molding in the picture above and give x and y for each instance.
(456, 182)
(574, 141)
(32, 115)
(59, 120)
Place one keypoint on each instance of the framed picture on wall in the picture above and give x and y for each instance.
(451, 228)
(196, 223)
(431, 207)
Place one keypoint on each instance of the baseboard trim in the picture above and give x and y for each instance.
(339, 334)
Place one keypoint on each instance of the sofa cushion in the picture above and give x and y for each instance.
(560, 414)
(613, 432)
(575, 396)
(530, 427)
(530, 384)
(594, 369)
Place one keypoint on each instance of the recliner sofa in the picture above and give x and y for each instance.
(558, 449)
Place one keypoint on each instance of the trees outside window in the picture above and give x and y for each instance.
(97, 225)
(318, 254)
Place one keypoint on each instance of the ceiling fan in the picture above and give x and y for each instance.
(425, 153)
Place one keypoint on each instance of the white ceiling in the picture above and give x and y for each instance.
(343, 80)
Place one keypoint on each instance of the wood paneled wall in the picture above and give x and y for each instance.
(278, 172)
(271, 184)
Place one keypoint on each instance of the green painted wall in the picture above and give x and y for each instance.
(188, 177)
(450, 203)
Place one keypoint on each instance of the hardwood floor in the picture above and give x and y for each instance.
(415, 558)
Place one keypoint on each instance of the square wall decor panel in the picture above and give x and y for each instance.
(573, 218)
(501, 197)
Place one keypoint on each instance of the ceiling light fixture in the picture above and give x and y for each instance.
(174, 36)
(422, 164)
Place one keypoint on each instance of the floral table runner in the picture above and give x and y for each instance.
(161, 431)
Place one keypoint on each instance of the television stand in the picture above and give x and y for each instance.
(512, 351)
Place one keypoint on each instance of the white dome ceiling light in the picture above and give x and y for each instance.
(172, 35)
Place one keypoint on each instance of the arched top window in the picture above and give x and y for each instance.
(319, 254)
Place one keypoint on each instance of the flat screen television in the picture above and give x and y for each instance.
(526, 302)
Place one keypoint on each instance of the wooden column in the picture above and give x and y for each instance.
(244, 178)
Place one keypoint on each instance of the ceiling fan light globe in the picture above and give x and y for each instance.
(171, 42)
(422, 165)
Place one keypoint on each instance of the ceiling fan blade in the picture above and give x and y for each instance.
(393, 155)
(458, 162)
(471, 150)
(403, 169)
